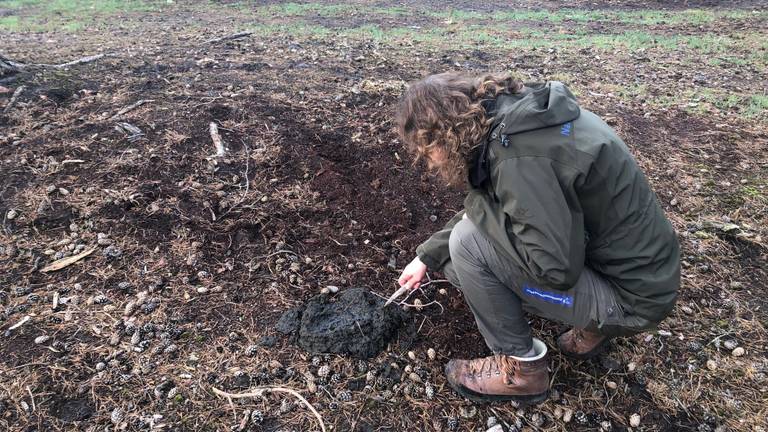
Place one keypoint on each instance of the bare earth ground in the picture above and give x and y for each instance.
(198, 256)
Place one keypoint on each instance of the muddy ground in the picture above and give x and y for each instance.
(197, 256)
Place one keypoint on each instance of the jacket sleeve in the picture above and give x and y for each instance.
(537, 221)
(434, 252)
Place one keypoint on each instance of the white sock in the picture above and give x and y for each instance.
(531, 353)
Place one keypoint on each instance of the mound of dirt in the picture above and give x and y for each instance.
(355, 323)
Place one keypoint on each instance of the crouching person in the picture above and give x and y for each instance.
(559, 221)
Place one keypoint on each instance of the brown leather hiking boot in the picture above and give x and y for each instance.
(502, 377)
(581, 344)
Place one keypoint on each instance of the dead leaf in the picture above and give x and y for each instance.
(64, 262)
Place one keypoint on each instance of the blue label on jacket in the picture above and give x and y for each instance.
(549, 297)
(566, 129)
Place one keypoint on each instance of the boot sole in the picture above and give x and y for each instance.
(594, 352)
(480, 398)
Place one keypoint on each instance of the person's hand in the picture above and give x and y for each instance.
(413, 273)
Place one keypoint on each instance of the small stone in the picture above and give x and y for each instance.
(136, 338)
(606, 425)
(738, 352)
(495, 428)
(333, 289)
(711, 365)
(412, 355)
(673, 202)
(202, 290)
(730, 344)
(431, 354)
(736, 285)
(443, 291)
(631, 367)
(687, 310)
(433, 218)
(666, 333)
(42, 339)
(612, 385)
(11, 215)
(634, 420)
(100, 366)
(104, 242)
(418, 304)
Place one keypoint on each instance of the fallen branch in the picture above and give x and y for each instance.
(15, 96)
(64, 262)
(21, 66)
(131, 107)
(220, 149)
(260, 391)
(230, 37)
(76, 62)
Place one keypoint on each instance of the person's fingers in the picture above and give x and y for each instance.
(402, 279)
(411, 282)
(416, 285)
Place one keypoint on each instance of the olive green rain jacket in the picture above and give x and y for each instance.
(561, 192)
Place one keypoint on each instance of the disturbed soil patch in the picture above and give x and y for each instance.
(354, 323)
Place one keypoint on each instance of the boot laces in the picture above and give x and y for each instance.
(495, 364)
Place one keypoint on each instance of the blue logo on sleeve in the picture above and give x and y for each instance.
(565, 129)
(562, 299)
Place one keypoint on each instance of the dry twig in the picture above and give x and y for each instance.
(260, 391)
(229, 37)
(15, 96)
(64, 262)
(220, 149)
(130, 107)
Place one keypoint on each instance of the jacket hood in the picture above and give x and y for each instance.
(538, 106)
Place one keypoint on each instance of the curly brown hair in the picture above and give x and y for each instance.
(441, 118)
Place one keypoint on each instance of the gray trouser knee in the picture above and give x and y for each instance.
(498, 292)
